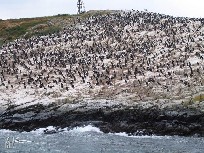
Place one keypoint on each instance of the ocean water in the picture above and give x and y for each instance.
(90, 139)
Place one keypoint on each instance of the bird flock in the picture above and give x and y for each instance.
(146, 52)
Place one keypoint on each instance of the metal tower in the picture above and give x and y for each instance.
(80, 6)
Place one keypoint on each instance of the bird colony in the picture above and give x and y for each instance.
(125, 53)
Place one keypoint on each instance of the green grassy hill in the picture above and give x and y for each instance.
(27, 27)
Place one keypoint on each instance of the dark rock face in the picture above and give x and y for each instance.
(133, 120)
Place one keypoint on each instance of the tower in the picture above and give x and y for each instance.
(80, 6)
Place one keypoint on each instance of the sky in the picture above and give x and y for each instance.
(12, 9)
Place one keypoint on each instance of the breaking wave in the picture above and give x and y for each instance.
(84, 129)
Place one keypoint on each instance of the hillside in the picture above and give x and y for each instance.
(27, 27)
(103, 60)
(145, 55)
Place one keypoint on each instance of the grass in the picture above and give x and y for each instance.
(27, 27)
(94, 13)
(45, 31)
(19, 30)
(198, 98)
(1, 42)
(13, 29)
(24, 28)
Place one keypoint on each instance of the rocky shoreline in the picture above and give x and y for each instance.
(134, 120)
(127, 71)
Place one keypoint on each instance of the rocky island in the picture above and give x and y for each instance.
(123, 71)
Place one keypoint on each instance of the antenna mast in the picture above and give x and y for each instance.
(80, 6)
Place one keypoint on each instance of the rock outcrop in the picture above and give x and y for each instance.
(135, 120)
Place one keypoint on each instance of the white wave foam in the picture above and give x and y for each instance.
(6, 131)
(42, 130)
(88, 128)
(123, 134)
(151, 137)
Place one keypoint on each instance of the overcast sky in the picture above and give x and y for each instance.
(36, 8)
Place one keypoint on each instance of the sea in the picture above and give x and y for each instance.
(89, 139)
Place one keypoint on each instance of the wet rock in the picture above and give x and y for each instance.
(172, 121)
